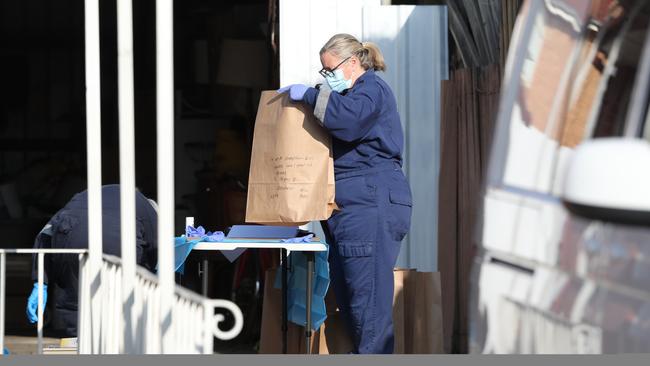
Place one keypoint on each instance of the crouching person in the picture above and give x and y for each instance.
(68, 229)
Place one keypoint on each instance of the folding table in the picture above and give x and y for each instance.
(308, 248)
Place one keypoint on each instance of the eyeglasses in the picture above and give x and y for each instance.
(329, 73)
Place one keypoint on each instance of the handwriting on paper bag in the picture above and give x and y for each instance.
(284, 167)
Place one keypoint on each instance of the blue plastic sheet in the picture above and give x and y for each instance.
(297, 283)
(183, 247)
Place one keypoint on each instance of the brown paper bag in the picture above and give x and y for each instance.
(417, 319)
(424, 303)
(331, 338)
(401, 313)
(291, 178)
(271, 330)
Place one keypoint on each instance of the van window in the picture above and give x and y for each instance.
(605, 76)
(547, 44)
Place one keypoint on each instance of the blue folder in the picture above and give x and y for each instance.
(262, 232)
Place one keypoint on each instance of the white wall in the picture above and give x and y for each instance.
(305, 26)
(414, 42)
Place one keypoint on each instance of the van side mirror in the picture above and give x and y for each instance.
(609, 179)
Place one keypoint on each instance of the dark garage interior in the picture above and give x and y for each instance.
(225, 54)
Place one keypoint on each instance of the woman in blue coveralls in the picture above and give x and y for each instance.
(359, 110)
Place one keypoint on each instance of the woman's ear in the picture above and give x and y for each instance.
(353, 63)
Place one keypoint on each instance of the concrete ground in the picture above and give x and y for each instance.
(21, 345)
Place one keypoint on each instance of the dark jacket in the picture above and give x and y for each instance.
(69, 229)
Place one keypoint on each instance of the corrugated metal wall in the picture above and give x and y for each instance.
(414, 42)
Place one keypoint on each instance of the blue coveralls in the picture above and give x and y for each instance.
(69, 230)
(374, 200)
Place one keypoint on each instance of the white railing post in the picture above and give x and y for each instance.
(208, 336)
(83, 321)
(165, 154)
(40, 310)
(94, 164)
(3, 282)
(127, 167)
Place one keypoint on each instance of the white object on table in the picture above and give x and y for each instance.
(297, 247)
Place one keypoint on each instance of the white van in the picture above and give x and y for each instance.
(564, 258)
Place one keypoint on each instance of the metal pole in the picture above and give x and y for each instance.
(285, 325)
(309, 289)
(3, 274)
(165, 155)
(39, 327)
(94, 162)
(127, 166)
(204, 276)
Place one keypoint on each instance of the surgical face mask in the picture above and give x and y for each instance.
(338, 82)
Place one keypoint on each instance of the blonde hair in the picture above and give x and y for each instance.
(345, 45)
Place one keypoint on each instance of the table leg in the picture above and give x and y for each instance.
(285, 316)
(310, 275)
(204, 285)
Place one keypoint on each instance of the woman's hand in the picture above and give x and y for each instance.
(296, 91)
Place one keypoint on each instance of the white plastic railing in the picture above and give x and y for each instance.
(82, 253)
(192, 330)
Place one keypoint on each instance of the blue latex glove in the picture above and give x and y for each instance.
(216, 236)
(192, 232)
(302, 239)
(32, 303)
(183, 245)
(296, 91)
(5, 351)
(199, 232)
